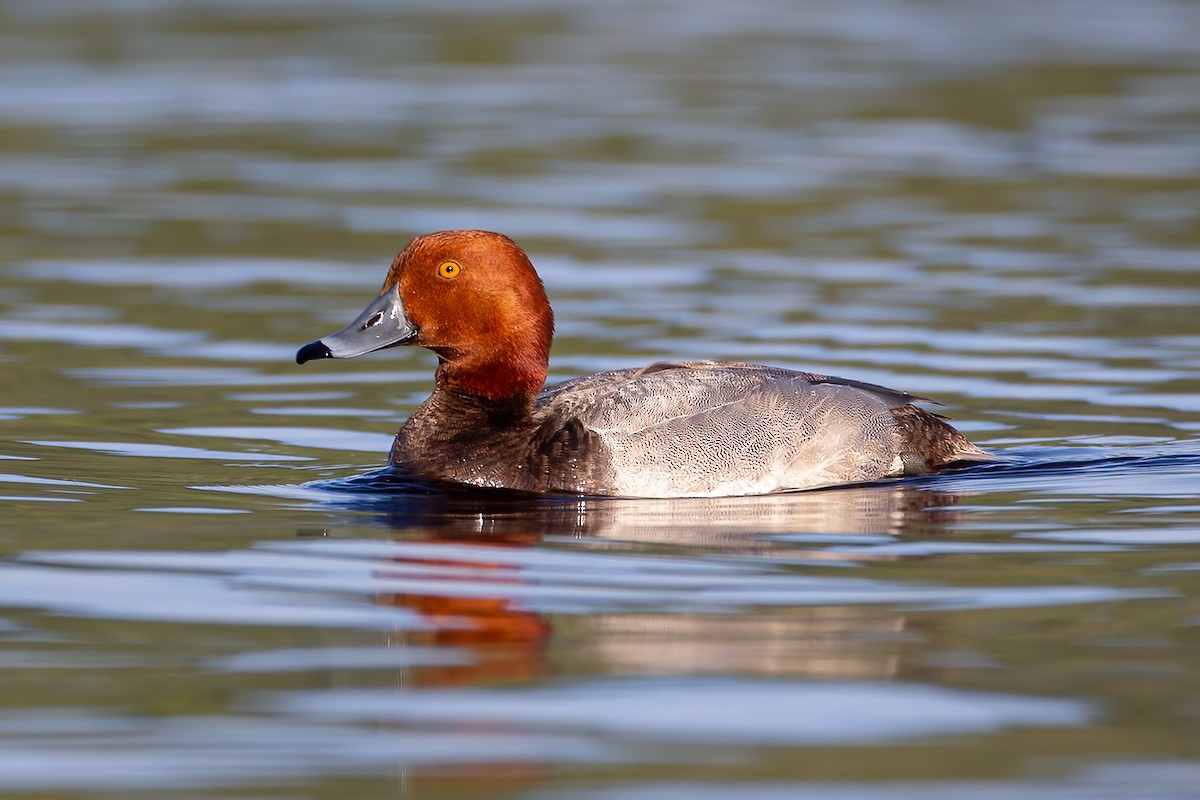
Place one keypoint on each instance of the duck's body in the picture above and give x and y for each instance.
(694, 429)
(698, 429)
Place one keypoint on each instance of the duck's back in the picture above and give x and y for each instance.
(719, 428)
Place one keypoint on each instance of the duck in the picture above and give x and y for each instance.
(670, 429)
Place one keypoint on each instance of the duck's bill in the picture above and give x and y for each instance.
(381, 324)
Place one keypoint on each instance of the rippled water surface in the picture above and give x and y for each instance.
(207, 591)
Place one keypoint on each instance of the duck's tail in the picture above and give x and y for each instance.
(932, 440)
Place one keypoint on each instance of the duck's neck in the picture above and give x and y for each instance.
(469, 409)
(496, 379)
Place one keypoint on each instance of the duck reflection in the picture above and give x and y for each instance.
(482, 551)
(485, 562)
(729, 522)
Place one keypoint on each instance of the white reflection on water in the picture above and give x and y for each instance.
(311, 411)
(14, 478)
(175, 343)
(320, 438)
(203, 274)
(176, 598)
(193, 510)
(285, 581)
(43, 752)
(741, 713)
(1147, 536)
(147, 450)
(21, 498)
(1160, 780)
(228, 376)
(340, 658)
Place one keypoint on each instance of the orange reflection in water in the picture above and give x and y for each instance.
(508, 642)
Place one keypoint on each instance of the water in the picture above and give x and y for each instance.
(206, 590)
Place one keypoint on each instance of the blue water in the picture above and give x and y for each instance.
(209, 588)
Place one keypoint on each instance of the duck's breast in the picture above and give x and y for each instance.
(707, 429)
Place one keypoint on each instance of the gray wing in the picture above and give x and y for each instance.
(705, 428)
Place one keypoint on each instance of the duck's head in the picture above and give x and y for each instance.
(473, 298)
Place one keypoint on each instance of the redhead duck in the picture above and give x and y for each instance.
(679, 429)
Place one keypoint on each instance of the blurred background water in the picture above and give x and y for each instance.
(204, 592)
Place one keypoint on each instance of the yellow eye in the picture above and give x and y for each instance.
(449, 270)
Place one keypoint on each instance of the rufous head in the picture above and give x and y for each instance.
(473, 298)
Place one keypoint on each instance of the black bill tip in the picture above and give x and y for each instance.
(312, 351)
